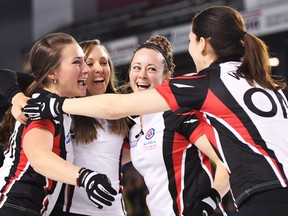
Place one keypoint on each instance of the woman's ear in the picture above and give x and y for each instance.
(52, 75)
(205, 45)
(167, 76)
(202, 45)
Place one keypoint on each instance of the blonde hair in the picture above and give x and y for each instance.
(85, 128)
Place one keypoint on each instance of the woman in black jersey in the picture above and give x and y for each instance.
(24, 81)
(38, 154)
(152, 62)
(241, 107)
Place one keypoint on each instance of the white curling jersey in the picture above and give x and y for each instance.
(174, 170)
(102, 155)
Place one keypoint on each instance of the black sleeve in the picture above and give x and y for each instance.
(183, 121)
(24, 80)
(9, 86)
(4, 105)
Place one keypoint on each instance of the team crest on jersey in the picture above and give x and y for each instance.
(150, 133)
(150, 144)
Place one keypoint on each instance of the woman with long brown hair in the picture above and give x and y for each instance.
(240, 104)
(39, 155)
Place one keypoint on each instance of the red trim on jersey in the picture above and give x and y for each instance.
(56, 147)
(45, 124)
(208, 130)
(165, 91)
(178, 149)
(126, 144)
(190, 76)
(20, 169)
(198, 132)
(207, 163)
(45, 204)
(68, 198)
(234, 121)
(188, 113)
(23, 160)
(48, 125)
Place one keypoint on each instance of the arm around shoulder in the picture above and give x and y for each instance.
(115, 106)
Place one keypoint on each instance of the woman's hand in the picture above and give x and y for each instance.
(44, 107)
(18, 103)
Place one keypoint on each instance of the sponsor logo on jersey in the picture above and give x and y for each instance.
(150, 133)
(133, 143)
(150, 144)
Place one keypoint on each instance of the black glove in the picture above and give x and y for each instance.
(98, 188)
(44, 107)
(206, 204)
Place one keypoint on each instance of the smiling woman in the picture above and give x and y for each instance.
(97, 143)
(233, 75)
(170, 148)
(39, 156)
(102, 77)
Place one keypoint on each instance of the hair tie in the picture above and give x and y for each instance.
(157, 47)
(243, 34)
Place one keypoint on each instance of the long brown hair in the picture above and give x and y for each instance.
(226, 31)
(44, 57)
(85, 128)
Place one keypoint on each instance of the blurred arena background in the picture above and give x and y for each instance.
(121, 25)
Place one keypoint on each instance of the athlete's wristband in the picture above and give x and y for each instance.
(78, 175)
